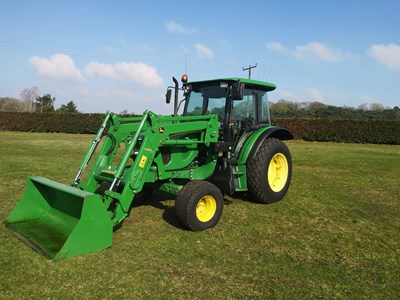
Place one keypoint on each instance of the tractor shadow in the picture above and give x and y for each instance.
(163, 201)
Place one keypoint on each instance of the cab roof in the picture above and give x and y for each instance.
(249, 83)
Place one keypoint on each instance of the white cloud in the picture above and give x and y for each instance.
(139, 73)
(174, 27)
(204, 52)
(59, 66)
(386, 54)
(101, 70)
(289, 96)
(314, 94)
(367, 99)
(310, 52)
(277, 47)
(337, 96)
(308, 95)
(339, 99)
(316, 50)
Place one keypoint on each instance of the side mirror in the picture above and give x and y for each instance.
(168, 96)
(237, 91)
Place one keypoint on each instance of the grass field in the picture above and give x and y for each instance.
(335, 235)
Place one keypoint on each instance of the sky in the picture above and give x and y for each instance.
(121, 55)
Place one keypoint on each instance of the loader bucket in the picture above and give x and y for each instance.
(60, 221)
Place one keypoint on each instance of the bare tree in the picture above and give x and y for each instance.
(29, 96)
(376, 106)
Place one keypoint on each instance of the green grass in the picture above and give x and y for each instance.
(335, 235)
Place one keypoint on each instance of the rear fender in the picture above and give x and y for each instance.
(254, 142)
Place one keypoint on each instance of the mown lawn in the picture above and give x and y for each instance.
(335, 235)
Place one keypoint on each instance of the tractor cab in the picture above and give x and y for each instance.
(241, 105)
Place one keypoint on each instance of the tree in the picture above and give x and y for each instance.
(29, 96)
(285, 105)
(363, 106)
(376, 106)
(70, 107)
(11, 104)
(315, 105)
(45, 103)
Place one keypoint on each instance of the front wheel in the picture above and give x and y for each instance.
(270, 172)
(199, 205)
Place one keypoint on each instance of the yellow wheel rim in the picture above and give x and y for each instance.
(206, 208)
(278, 172)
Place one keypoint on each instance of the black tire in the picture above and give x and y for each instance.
(270, 172)
(143, 196)
(199, 205)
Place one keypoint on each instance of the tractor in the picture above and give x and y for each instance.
(218, 141)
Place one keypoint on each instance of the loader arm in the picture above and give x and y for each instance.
(156, 150)
(61, 221)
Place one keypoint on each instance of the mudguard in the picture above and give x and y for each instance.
(254, 142)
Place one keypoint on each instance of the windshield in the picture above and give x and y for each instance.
(211, 99)
(206, 100)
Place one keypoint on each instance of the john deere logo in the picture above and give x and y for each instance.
(161, 130)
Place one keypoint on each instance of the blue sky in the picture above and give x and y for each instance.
(117, 55)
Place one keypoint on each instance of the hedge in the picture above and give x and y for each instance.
(349, 131)
(50, 122)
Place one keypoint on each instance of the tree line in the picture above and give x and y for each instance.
(318, 110)
(32, 101)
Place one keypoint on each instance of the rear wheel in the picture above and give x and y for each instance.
(199, 205)
(270, 172)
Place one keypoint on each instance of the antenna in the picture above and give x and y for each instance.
(270, 69)
(185, 63)
(249, 69)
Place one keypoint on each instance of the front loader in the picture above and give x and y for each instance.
(222, 143)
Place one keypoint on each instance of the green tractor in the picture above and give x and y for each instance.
(222, 143)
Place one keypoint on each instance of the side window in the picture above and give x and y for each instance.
(264, 107)
(244, 110)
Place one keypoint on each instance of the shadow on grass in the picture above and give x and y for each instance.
(157, 199)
